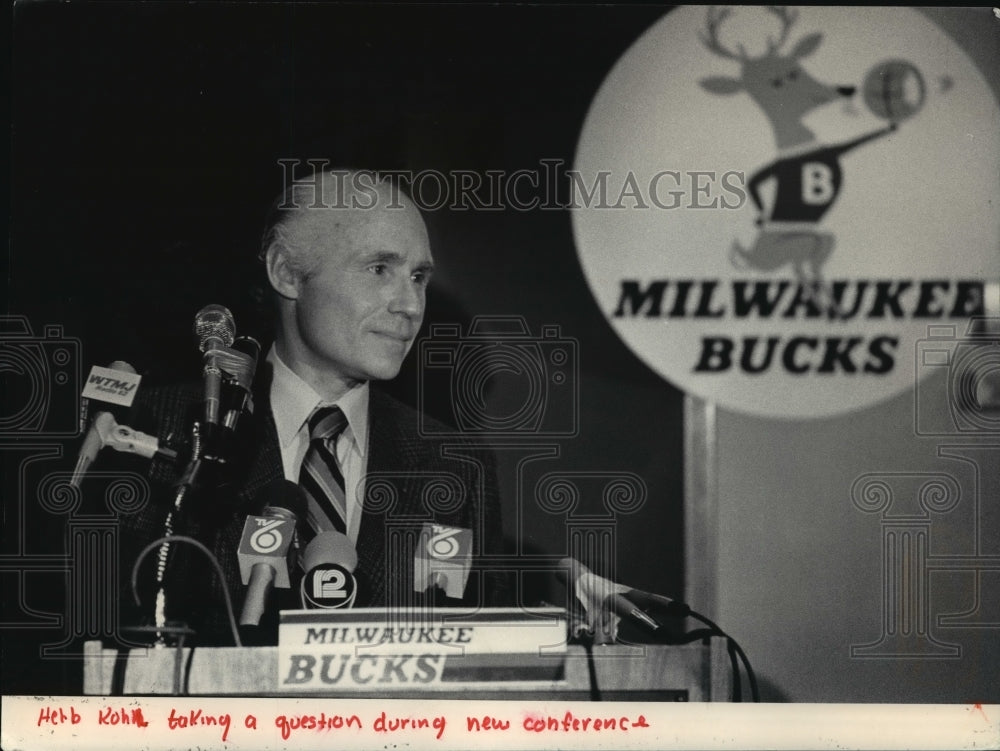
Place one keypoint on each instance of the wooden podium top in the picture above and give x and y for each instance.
(691, 672)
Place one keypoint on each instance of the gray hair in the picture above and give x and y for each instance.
(344, 190)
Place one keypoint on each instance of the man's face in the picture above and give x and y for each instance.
(359, 310)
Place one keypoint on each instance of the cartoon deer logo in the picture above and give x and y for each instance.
(807, 176)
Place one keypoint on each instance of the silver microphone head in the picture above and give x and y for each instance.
(214, 326)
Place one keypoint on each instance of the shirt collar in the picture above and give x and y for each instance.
(293, 401)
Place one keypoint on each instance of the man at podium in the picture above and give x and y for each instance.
(347, 260)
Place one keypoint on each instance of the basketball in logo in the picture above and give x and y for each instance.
(894, 90)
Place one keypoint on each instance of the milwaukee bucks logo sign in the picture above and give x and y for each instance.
(775, 203)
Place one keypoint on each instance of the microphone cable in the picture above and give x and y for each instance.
(580, 633)
(595, 690)
(735, 651)
(168, 536)
(211, 557)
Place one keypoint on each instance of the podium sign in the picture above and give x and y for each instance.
(689, 672)
(374, 649)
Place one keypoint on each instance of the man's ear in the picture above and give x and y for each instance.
(280, 272)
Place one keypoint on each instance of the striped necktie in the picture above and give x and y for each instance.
(320, 476)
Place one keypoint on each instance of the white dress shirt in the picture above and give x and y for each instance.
(292, 402)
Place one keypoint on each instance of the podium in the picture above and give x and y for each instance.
(692, 672)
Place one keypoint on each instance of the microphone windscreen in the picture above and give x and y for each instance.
(248, 346)
(214, 323)
(123, 366)
(330, 547)
(244, 369)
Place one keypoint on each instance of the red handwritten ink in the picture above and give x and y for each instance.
(570, 724)
(487, 723)
(121, 716)
(314, 722)
(197, 717)
(384, 724)
(57, 716)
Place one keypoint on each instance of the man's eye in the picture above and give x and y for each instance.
(378, 268)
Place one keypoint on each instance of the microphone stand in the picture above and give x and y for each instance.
(211, 443)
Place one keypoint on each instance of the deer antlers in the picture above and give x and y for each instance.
(788, 17)
(713, 21)
(717, 16)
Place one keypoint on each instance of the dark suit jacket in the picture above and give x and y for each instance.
(411, 480)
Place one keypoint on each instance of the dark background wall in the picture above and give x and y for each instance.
(145, 146)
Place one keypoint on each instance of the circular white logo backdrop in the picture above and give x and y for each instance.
(774, 207)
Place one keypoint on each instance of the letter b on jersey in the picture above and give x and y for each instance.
(817, 184)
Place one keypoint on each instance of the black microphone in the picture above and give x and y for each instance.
(240, 368)
(101, 425)
(329, 562)
(215, 329)
(601, 596)
(268, 547)
(249, 347)
(648, 600)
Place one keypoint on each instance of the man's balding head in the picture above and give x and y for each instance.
(314, 210)
(348, 258)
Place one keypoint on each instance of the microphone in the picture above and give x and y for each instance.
(605, 602)
(240, 367)
(329, 561)
(104, 421)
(442, 560)
(215, 329)
(130, 441)
(647, 600)
(100, 428)
(268, 547)
(250, 348)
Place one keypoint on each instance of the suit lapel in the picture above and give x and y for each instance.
(390, 450)
(263, 456)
